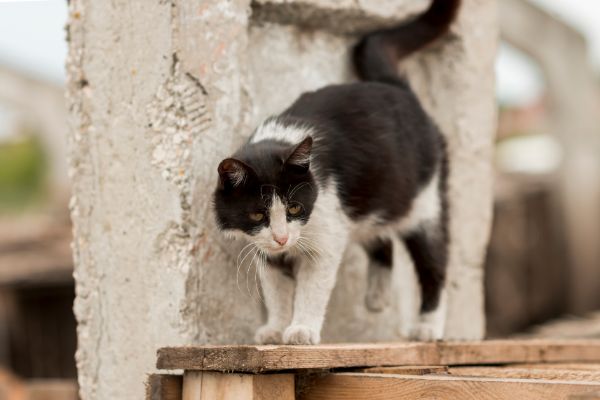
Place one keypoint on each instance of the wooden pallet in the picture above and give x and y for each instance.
(511, 369)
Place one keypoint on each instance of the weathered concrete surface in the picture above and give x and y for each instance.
(159, 93)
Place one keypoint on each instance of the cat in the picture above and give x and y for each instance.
(351, 163)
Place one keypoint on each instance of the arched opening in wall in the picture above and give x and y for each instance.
(526, 264)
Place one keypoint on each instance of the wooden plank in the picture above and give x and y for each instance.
(276, 358)
(527, 373)
(225, 386)
(274, 387)
(406, 370)
(52, 389)
(586, 396)
(571, 366)
(352, 386)
(192, 385)
(164, 387)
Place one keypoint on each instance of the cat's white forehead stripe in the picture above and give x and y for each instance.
(278, 216)
(273, 129)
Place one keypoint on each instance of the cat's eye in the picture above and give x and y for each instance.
(257, 217)
(294, 209)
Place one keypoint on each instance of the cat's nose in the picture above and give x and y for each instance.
(282, 240)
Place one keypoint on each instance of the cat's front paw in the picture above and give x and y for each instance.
(425, 334)
(267, 334)
(427, 331)
(301, 334)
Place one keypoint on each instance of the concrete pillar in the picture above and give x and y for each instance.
(159, 92)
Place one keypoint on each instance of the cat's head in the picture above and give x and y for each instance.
(266, 193)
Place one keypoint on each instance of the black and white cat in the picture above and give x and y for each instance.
(360, 162)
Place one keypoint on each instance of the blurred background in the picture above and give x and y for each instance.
(542, 268)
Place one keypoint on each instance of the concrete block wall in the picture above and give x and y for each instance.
(159, 92)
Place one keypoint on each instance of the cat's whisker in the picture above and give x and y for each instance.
(311, 252)
(307, 251)
(239, 264)
(260, 265)
(242, 250)
(311, 244)
(248, 272)
(298, 187)
(291, 193)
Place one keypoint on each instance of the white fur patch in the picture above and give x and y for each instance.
(432, 325)
(275, 130)
(278, 218)
(426, 207)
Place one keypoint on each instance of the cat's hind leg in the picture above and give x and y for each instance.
(428, 247)
(379, 274)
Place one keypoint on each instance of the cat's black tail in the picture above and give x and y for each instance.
(376, 55)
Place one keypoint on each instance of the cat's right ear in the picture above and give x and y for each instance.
(233, 173)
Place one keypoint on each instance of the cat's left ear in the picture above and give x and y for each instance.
(233, 173)
(300, 156)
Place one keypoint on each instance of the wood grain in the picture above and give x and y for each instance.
(527, 373)
(222, 386)
(406, 370)
(274, 387)
(276, 358)
(571, 366)
(352, 386)
(586, 396)
(164, 387)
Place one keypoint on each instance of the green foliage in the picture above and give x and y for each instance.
(22, 173)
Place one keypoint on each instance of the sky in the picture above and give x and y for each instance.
(32, 38)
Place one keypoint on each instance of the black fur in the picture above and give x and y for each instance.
(376, 55)
(380, 251)
(429, 250)
(373, 138)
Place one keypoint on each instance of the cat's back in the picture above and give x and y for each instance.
(352, 100)
(374, 140)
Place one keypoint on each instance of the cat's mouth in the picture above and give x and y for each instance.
(276, 249)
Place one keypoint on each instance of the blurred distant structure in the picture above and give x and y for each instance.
(37, 326)
(544, 254)
(40, 105)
